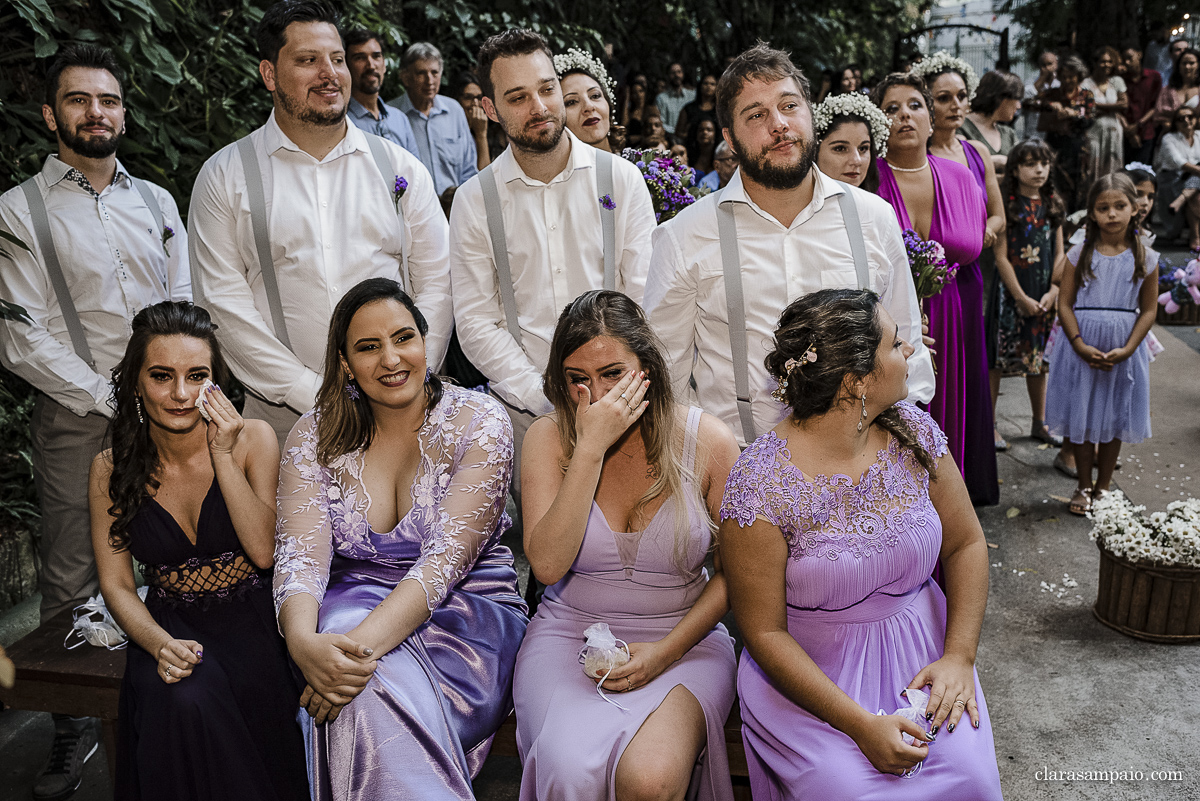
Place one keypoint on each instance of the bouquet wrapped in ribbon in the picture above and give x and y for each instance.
(927, 260)
(670, 182)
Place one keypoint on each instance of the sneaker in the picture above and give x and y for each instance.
(75, 740)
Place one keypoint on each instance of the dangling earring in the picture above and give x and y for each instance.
(351, 390)
(864, 414)
(138, 402)
(428, 373)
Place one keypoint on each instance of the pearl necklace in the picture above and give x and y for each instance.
(909, 169)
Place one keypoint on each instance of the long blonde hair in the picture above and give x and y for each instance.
(603, 313)
(1113, 182)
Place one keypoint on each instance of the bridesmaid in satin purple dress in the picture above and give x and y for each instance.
(829, 577)
(395, 596)
(941, 201)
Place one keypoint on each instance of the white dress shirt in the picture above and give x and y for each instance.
(333, 224)
(556, 253)
(685, 291)
(115, 264)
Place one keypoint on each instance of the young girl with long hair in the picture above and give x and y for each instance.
(1021, 310)
(1099, 388)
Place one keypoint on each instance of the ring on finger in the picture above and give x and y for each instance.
(960, 702)
(628, 684)
(624, 396)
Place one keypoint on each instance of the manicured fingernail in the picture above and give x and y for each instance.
(950, 728)
(929, 716)
(975, 723)
(935, 730)
(368, 651)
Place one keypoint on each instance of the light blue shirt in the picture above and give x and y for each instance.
(391, 125)
(444, 142)
(671, 103)
(711, 181)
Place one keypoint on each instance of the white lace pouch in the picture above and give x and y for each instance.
(602, 654)
(915, 711)
(94, 625)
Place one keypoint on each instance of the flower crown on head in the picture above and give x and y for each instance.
(834, 106)
(576, 59)
(941, 61)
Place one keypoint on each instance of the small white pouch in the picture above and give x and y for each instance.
(918, 700)
(203, 399)
(94, 625)
(602, 654)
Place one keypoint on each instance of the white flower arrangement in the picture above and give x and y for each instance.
(834, 106)
(576, 59)
(928, 68)
(1166, 539)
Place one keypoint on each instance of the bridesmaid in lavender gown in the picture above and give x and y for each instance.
(621, 488)
(941, 201)
(829, 576)
(396, 599)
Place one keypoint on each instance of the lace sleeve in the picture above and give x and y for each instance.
(461, 489)
(929, 434)
(745, 498)
(303, 534)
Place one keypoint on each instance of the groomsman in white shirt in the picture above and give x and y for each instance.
(779, 229)
(102, 246)
(285, 221)
(549, 219)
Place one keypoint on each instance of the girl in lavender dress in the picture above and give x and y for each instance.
(621, 488)
(396, 599)
(829, 576)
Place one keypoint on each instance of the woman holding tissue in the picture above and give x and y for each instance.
(620, 490)
(208, 702)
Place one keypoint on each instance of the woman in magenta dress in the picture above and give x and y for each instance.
(829, 576)
(941, 201)
(621, 489)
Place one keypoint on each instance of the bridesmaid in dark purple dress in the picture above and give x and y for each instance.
(941, 201)
(208, 700)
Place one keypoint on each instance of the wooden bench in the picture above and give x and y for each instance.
(85, 681)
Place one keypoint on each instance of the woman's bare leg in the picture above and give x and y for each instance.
(657, 764)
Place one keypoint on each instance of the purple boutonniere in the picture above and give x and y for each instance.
(606, 202)
(167, 235)
(398, 191)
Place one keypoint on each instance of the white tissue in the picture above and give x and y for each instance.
(203, 398)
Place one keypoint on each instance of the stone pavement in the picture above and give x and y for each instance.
(1065, 692)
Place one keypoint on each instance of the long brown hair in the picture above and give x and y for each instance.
(1112, 182)
(1032, 149)
(604, 313)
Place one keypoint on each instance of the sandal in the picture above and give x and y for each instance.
(1041, 432)
(1081, 502)
(1001, 442)
(1060, 464)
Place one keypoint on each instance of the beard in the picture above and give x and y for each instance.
(541, 142)
(312, 116)
(370, 83)
(777, 176)
(87, 146)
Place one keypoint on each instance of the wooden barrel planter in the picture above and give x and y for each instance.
(1159, 604)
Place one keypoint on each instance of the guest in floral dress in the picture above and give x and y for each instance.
(396, 599)
(1067, 113)
(1021, 311)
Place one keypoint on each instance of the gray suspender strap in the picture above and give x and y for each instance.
(143, 189)
(262, 237)
(858, 247)
(379, 153)
(608, 217)
(41, 229)
(495, 223)
(731, 265)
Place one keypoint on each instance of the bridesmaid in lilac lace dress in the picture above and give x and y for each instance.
(829, 576)
(621, 489)
(395, 596)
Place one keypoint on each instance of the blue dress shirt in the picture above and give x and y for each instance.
(444, 142)
(391, 124)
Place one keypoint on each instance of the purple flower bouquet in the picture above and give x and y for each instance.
(927, 260)
(668, 180)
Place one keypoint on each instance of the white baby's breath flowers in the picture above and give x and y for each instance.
(1168, 539)
(834, 106)
(576, 59)
(928, 68)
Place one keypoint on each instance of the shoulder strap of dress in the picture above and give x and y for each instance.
(690, 431)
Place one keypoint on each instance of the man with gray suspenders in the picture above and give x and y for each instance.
(288, 219)
(102, 246)
(549, 219)
(723, 269)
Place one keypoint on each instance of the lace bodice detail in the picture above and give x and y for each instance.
(458, 499)
(203, 580)
(826, 516)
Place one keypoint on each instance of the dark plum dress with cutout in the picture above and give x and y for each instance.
(229, 730)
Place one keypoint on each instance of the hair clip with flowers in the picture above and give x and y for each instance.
(808, 357)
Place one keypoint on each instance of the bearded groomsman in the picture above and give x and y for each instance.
(288, 219)
(102, 246)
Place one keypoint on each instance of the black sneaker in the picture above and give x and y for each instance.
(75, 740)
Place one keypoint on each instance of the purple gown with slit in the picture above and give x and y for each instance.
(962, 401)
(862, 605)
(424, 724)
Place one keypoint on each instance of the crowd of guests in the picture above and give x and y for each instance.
(642, 409)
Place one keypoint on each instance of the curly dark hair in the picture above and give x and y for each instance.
(843, 326)
(1032, 149)
(134, 455)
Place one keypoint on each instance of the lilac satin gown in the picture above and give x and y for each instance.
(962, 401)
(862, 605)
(424, 724)
(571, 739)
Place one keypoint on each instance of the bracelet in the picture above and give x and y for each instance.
(1074, 337)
